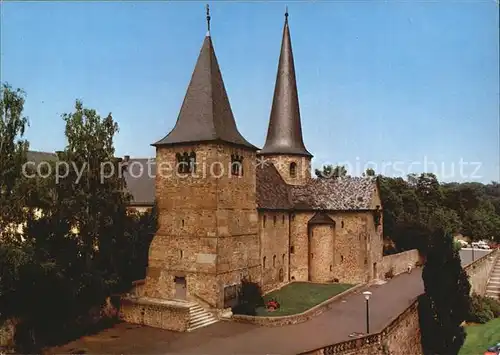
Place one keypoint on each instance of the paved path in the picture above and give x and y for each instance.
(345, 317)
(468, 255)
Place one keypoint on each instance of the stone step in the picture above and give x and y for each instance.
(200, 317)
(196, 312)
(190, 329)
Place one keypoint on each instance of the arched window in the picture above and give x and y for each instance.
(264, 262)
(283, 259)
(236, 165)
(264, 220)
(274, 260)
(274, 220)
(192, 162)
(186, 162)
(283, 220)
(293, 169)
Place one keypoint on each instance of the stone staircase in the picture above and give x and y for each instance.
(199, 317)
(493, 286)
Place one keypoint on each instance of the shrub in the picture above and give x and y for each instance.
(494, 306)
(389, 274)
(481, 309)
(457, 246)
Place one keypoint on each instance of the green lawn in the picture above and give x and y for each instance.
(300, 296)
(480, 337)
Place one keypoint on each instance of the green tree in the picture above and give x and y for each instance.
(331, 172)
(13, 150)
(447, 297)
(369, 172)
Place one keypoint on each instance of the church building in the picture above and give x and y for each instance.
(231, 210)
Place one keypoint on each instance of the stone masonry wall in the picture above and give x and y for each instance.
(299, 269)
(321, 252)
(479, 272)
(401, 336)
(353, 255)
(397, 262)
(207, 223)
(274, 240)
(164, 316)
(282, 164)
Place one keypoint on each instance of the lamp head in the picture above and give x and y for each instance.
(367, 295)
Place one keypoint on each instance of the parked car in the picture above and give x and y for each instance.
(463, 243)
(494, 350)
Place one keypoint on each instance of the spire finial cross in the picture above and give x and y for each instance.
(286, 12)
(208, 19)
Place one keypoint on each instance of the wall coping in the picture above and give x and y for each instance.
(295, 318)
(359, 342)
(146, 301)
(472, 265)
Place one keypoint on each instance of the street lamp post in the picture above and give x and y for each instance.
(367, 295)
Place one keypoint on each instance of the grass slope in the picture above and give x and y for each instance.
(298, 297)
(480, 337)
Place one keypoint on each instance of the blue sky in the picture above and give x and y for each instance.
(379, 82)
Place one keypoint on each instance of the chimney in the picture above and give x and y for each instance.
(126, 158)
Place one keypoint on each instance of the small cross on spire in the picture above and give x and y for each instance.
(286, 13)
(208, 20)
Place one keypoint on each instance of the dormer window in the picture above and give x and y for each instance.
(186, 162)
(236, 165)
(293, 169)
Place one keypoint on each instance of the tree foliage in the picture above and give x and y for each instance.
(447, 297)
(331, 172)
(84, 246)
(13, 150)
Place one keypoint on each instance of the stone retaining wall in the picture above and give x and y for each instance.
(295, 318)
(397, 262)
(153, 314)
(479, 272)
(401, 336)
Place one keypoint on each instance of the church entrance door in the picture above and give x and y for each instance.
(180, 288)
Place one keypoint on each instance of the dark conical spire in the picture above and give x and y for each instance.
(284, 135)
(205, 114)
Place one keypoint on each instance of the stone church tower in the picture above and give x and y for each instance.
(207, 236)
(284, 143)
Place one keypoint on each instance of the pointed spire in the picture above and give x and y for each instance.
(205, 114)
(284, 134)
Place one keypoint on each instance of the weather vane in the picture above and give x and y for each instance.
(208, 18)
